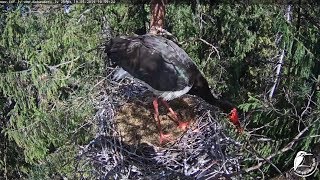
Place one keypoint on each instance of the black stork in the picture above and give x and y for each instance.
(166, 70)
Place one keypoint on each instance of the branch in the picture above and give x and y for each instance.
(82, 15)
(212, 46)
(281, 58)
(279, 65)
(260, 157)
(267, 159)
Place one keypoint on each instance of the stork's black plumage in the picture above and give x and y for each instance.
(163, 66)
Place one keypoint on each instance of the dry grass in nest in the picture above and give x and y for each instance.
(136, 124)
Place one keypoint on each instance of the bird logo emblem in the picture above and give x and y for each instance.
(305, 164)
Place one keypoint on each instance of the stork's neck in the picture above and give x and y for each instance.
(206, 95)
(225, 105)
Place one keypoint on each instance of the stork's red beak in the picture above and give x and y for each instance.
(234, 118)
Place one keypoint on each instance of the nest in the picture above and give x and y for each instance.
(126, 143)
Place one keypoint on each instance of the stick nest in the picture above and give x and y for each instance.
(127, 140)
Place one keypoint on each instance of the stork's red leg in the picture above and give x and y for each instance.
(182, 125)
(163, 137)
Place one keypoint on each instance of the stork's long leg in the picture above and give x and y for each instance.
(163, 137)
(182, 125)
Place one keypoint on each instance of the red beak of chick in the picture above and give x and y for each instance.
(234, 118)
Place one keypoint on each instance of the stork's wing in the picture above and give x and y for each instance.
(169, 50)
(153, 60)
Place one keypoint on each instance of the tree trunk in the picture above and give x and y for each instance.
(157, 15)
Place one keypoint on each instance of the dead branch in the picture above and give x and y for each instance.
(281, 58)
(212, 47)
(281, 151)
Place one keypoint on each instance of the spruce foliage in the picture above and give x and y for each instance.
(49, 75)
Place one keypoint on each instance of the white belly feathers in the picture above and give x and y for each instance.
(166, 95)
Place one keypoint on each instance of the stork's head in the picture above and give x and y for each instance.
(201, 88)
(234, 118)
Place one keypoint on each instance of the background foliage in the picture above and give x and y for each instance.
(48, 76)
